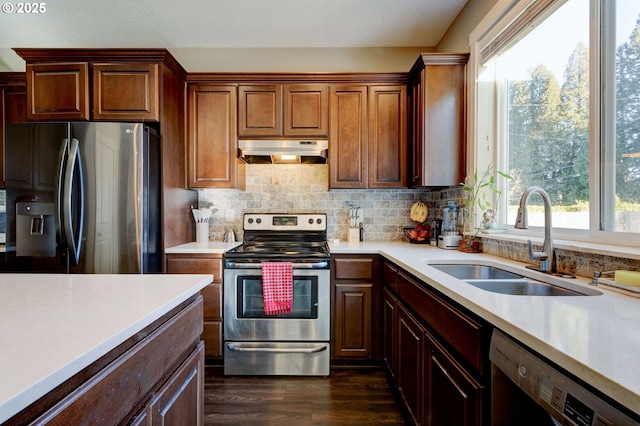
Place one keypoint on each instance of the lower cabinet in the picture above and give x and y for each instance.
(212, 295)
(440, 379)
(356, 292)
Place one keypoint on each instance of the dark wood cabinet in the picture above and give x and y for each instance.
(367, 147)
(58, 91)
(306, 110)
(260, 110)
(125, 91)
(455, 397)
(436, 353)
(411, 361)
(276, 110)
(357, 307)
(13, 109)
(118, 91)
(348, 141)
(212, 137)
(387, 146)
(212, 296)
(437, 124)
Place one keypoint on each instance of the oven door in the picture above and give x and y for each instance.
(244, 317)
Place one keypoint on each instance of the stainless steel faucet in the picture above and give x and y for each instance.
(546, 257)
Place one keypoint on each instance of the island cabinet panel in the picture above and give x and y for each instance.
(212, 295)
(212, 137)
(58, 91)
(357, 307)
(156, 370)
(260, 110)
(125, 91)
(436, 353)
(436, 111)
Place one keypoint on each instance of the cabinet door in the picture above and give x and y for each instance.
(415, 104)
(306, 110)
(455, 398)
(260, 110)
(348, 140)
(13, 109)
(390, 332)
(352, 322)
(411, 356)
(181, 400)
(212, 146)
(387, 147)
(58, 91)
(125, 91)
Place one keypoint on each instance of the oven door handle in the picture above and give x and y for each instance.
(312, 350)
(306, 265)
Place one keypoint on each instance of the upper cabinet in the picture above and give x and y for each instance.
(118, 90)
(368, 142)
(212, 140)
(283, 110)
(58, 91)
(437, 125)
(125, 91)
(13, 109)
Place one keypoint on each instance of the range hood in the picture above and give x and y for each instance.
(283, 151)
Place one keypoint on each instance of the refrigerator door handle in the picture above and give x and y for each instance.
(73, 236)
(58, 194)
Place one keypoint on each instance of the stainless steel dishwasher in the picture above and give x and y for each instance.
(527, 390)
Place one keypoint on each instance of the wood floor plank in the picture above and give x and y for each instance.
(345, 398)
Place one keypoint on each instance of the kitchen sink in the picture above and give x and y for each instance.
(497, 280)
(475, 272)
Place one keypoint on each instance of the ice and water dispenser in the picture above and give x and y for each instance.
(35, 229)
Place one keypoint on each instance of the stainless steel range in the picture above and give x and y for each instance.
(293, 343)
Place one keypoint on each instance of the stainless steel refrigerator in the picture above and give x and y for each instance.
(82, 198)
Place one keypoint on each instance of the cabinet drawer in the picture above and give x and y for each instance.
(463, 333)
(354, 269)
(195, 264)
(212, 295)
(212, 338)
(390, 275)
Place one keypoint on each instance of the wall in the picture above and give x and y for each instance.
(304, 188)
(456, 39)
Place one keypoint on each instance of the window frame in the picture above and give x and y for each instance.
(485, 128)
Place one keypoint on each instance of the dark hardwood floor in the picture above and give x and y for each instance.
(346, 397)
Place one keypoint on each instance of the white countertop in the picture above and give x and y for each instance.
(210, 247)
(597, 338)
(52, 326)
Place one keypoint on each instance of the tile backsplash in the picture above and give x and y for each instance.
(305, 188)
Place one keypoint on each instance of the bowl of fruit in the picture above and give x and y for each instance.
(421, 233)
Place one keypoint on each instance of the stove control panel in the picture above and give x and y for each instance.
(285, 222)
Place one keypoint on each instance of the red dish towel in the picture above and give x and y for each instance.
(277, 287)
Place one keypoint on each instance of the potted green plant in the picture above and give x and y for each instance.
(477, 189)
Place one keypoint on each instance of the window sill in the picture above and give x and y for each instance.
(576, 246)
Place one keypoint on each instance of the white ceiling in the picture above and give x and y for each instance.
(194, 29)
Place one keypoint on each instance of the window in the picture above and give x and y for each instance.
(564, 105)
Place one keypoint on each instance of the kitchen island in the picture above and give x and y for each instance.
(595, 338)
(111, 346)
